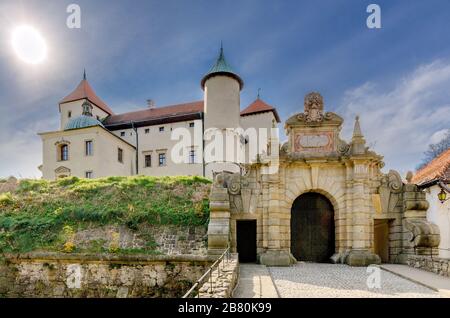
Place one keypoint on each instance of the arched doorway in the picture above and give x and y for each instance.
(312, 228)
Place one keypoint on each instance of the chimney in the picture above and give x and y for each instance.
(150, 103)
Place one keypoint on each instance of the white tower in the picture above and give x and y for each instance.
(222, 88)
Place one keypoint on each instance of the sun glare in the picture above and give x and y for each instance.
(29, 45)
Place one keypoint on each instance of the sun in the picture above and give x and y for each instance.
(29, 45)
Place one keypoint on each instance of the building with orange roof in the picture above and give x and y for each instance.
(93, 141)
(434, 179)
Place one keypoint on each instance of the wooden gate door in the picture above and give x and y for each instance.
(312, 228)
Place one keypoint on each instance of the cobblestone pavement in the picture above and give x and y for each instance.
(340, 281)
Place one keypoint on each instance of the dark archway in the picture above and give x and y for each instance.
(246, 240)
(312, 228)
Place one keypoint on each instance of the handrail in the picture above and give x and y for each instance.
(199, 283)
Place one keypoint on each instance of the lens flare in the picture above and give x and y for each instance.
(29, 45)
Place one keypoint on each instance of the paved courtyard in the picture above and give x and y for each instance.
(332, 280)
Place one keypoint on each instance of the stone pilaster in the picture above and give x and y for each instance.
(275, 255)
(219, 223)
(361, 254)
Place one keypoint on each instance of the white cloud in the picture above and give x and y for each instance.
(400, 121)
(438, 136)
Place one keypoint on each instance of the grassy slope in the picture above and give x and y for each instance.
(43, 215)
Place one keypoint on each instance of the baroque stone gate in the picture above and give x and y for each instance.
(375, 216)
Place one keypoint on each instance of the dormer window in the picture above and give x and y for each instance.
(87, 109)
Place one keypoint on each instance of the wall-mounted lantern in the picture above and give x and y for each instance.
(442, 196)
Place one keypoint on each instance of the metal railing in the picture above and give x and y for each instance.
(207, 277)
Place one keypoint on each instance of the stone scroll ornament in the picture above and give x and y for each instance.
(343, 148)
(390, 191)
(424, 233)
(232, 182)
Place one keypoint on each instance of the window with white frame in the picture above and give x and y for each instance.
(162, 159)
(89, 148)
(63, 154)
(89, 174)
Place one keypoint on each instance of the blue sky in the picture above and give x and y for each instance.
(396, 78)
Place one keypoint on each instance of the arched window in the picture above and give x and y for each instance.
(63, 152)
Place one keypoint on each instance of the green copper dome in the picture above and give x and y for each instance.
(82, 121)
(221, 67)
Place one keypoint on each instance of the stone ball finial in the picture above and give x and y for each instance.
(409, 176)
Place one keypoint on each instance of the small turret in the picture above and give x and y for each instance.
(222, 88)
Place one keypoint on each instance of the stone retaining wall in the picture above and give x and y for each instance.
(436, 265)
(72, 275)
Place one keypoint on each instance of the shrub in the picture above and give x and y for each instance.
(46, 214)
(6, 199)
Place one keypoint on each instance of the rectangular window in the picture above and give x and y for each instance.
(69, 114)
(162, 159)
(98, 117)
(122, 134)
(89, 149)
(147, 130)
(89, 174)
(120, 155)
(161, 129)
(191, 124)
(64, 153)
(148, 161)
(192, 156)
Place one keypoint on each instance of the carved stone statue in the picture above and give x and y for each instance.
(313, 107)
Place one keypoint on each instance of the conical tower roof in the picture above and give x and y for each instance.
(84, 91)
(221, 67)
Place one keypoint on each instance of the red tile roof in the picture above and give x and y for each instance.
(84, 90)
(156, 113)
(438, 168)
(259, 106)
(173, 113)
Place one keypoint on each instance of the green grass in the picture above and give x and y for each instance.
(33, 217)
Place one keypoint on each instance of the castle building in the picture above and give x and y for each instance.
(316, 198)
(95, 142)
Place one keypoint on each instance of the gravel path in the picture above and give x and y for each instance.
(335, 280)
